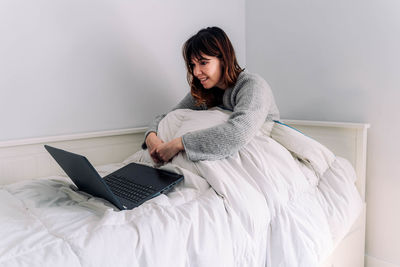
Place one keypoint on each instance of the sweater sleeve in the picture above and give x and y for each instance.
(251, 103)
(187, 102)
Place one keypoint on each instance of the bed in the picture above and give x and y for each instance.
(283, 200)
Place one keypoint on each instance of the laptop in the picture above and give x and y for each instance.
(126, 188)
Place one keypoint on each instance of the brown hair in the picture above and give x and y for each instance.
(211, 41)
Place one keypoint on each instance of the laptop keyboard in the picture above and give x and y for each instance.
(127, 189)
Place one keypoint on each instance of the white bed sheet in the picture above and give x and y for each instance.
(261, 207)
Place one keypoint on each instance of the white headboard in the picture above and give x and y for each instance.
(27, 158)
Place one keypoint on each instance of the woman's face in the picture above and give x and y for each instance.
(209, 71)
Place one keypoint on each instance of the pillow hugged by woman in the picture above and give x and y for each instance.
(216, 79)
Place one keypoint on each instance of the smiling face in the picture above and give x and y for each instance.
(208, 70)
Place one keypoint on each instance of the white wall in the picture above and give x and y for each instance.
(85, 65)
(340, 61)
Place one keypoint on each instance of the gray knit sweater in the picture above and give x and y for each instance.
(251, 102)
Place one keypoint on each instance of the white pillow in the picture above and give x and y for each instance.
(305, 148)
(181, 121)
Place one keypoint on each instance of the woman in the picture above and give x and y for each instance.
(216, 79)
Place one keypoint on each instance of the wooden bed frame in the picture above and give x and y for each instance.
(27, 159)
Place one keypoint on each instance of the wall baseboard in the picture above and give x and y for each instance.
(375, 262)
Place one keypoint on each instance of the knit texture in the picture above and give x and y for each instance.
(251, 102)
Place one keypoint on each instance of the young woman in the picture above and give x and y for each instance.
(216, 79)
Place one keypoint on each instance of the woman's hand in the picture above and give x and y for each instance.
(152, 142)
(166, 151)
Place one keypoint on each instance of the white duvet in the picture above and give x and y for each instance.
(280, 201)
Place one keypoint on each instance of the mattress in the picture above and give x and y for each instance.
(282, 200)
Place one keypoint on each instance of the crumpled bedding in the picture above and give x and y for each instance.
(282, 200)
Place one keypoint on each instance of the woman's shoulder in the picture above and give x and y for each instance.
(251, 80)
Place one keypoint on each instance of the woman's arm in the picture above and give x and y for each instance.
(162, 152)
(166, 151)
(251, 102)
(187, 102)
(152, 142)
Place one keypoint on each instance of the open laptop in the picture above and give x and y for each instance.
(126, 188)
